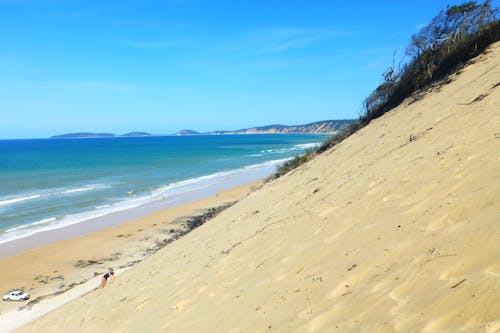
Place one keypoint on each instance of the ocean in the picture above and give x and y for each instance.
(50, 183)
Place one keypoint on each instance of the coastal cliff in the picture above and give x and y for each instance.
(319, 127)
(395, 229)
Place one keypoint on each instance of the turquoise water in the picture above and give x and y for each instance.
(47, 183)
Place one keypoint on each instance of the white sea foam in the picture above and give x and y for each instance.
(302, 146)
(81, 189)
(277, 151)
(46, 193)
(74, 190)
(308, 145)
(14, 200)
(160, 193)
(30, 225)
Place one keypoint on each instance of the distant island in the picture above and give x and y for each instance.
(187, 132)
(319, 127)
(137, 134)
(83, 135)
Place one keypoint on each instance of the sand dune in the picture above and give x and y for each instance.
(394, 230)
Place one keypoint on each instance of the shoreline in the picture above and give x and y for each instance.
(228, 180)
(54, 272)
(393, 230)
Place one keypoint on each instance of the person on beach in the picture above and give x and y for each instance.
(109, 275)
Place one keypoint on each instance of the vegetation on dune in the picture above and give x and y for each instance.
(293, 163)
(456, 35)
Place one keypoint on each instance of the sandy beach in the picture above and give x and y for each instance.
(66, 269)
(393, 230)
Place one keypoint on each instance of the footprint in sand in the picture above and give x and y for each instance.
(280, 277)
(438, 324)
(443, 222)
(319, 321)
(327, 211)
(318, 231)
(144, 302)
(492, 327)
(305, 313)
(400, 302)
(342, 289)
(182, 304)
(493, 270)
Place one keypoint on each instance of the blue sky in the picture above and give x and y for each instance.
(162, 66)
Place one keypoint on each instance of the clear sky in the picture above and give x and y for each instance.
(162, 66)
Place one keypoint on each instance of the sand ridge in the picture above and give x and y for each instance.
(394, 230)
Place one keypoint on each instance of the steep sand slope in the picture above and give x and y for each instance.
(395, 230)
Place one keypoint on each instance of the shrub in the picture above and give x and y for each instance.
(293, 163)
(453, 37)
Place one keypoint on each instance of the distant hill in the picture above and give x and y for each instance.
(187, 132)
(137, 134)
(83, 135)
(319, 127)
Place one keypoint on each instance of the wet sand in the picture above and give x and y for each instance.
(231, 180)
(393, 230)
(62, 265)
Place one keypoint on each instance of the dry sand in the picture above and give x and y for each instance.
(64, 265)
(394, 230)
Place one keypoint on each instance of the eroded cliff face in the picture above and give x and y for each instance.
(319, 127)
